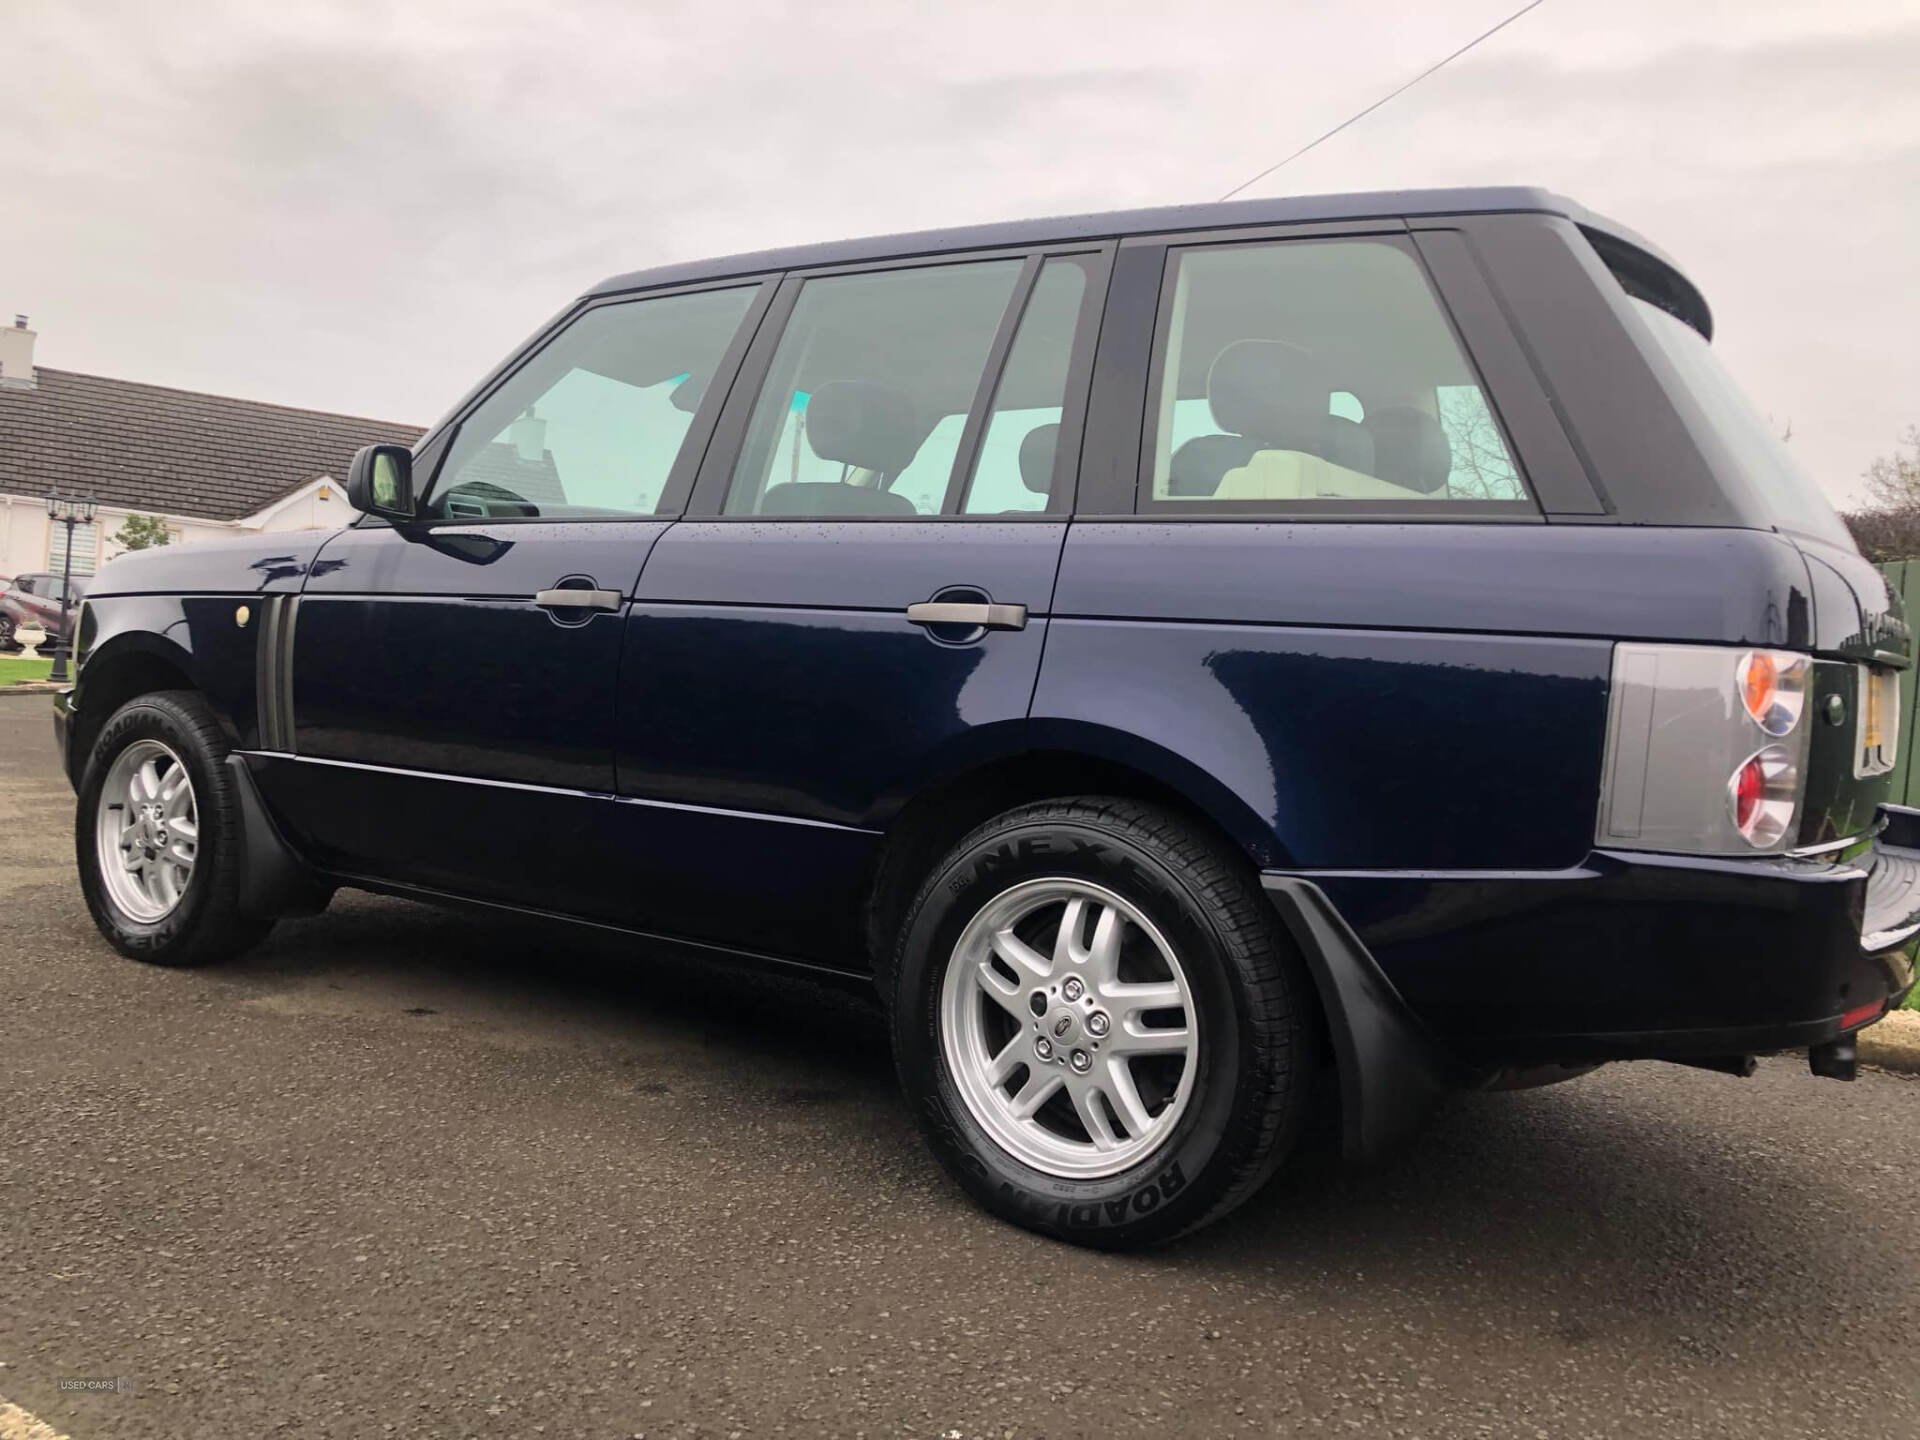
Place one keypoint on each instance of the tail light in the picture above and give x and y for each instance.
(1706, 749)
(1773, 688)
(1763, 794)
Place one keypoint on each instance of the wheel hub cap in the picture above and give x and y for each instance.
(1069, 1029)
(147, 831)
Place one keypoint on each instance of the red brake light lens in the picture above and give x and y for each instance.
(1761, 796)
(1748, 786)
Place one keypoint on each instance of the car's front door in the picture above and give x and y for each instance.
(449, 682)
(856, 603)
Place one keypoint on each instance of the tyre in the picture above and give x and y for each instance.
(157, 834)
(1103, 1030)
(7, 642)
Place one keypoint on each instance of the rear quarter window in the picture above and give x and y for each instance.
(1303, 375)
(1741, 446)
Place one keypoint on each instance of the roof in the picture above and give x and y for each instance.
(1282, 210)
(174, 452)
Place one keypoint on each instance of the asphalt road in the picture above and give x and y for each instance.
(414, 1174)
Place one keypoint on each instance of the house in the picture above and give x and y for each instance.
(204, 465)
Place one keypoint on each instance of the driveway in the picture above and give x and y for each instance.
(417, 1174)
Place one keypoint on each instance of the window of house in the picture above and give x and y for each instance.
(86, 551)
(1307, 371)
(592, 425)
(866, 399)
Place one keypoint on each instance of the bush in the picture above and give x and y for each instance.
(1884, 535)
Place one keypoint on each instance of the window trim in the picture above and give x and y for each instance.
(431, 454)
(967, 453)
(1549, 456)
(723, 449)
(1132, 486)
(1097, 269)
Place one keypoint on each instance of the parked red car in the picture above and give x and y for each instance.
(35, 600)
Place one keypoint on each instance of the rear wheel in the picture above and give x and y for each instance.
(7, 641)
(1104, 1031)
(157, 834)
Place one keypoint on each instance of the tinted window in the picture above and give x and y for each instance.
(592, 425)
(868, 393)
(1014, 469)
(1312, 370)
(1746, 446)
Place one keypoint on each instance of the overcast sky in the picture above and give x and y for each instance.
(361, 207)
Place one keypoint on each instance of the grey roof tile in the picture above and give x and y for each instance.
(174, 452)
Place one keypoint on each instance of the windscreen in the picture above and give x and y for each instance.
(1740, 438)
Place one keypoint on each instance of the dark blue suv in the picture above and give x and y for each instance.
(1192, 661)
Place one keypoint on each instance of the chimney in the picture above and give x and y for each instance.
(16, 355)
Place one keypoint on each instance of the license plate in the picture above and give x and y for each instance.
(1879, 720)
(1875, 727)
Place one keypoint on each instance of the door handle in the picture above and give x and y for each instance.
(955, 612)
(577, 599)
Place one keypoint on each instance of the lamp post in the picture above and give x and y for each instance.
(68, 510)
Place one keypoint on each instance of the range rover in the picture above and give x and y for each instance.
(1197, 665)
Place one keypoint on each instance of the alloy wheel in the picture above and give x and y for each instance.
(1069, 1028)
(147, 831)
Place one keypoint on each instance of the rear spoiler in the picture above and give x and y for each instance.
(1646, 274)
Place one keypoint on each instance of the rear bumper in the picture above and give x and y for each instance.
(1646, 956)
(1891, 914)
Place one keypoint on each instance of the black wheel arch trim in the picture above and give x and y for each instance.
(1391, 1073)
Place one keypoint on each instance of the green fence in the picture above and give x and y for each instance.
(1904, 576)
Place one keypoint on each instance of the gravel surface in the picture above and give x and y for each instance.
(417, 1174)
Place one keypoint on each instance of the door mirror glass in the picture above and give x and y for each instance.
(380, 481)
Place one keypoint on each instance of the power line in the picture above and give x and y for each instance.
(1438, 65)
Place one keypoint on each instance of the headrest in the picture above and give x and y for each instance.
(1036, 458)
(1410, 448)
(857, 422)
(688, 393)
(1269, 390)
(1199, 465)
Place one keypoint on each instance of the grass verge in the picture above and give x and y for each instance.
(15, 668)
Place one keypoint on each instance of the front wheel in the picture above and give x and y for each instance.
(1103, 1029)
(157, 834)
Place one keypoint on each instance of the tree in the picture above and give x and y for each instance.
(142, 532)
(1893, 481)
(1884, 535)
(1482, 469)
(1888, 526)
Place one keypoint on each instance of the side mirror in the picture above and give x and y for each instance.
(380, 481)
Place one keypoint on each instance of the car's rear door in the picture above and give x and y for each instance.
(439, 699)
(41, 595)
(856, 602)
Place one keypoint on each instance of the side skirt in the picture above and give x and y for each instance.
(842, 978)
